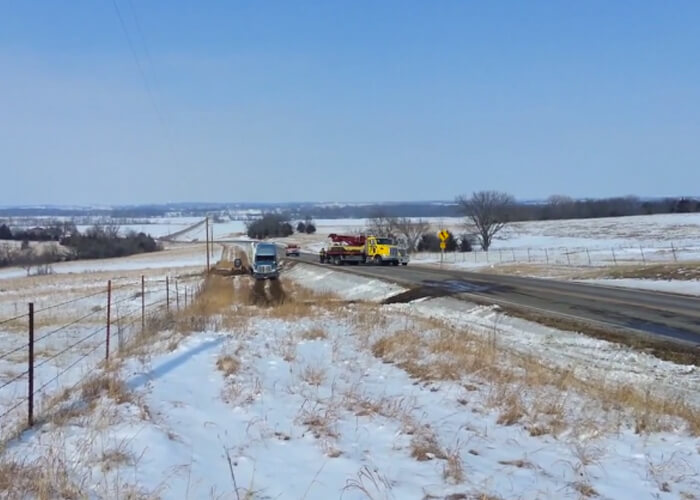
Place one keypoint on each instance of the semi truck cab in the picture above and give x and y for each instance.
(265, 262)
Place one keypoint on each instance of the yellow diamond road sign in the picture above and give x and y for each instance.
(442, 245)
(444, 234)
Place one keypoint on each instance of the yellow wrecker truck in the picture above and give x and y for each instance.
(345, 249)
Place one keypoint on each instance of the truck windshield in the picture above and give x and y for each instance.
(264, 258)
(384, 241)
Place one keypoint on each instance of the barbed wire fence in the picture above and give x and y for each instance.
(57, 358)
(572, 256)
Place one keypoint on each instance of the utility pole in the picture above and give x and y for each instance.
(207, 231)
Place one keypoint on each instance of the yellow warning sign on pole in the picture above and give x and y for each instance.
(444, 234)
(442, 245)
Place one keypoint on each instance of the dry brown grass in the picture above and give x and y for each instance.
(425, 446)
(434, 351)
(585, 489)
(43, 481)
(320, 420)
(668, 271)
(294, 301)
(519, 463)
(453, 470)
(314, 334)
(512, 410)
(114, 458)
(363, 405)
(228, 365)
(106, 385)
(313, 375)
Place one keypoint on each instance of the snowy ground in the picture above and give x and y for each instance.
(318, 399)
(174, 256)
(687, 287)
(70, 318)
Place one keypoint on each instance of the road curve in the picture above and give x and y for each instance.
(658, 315)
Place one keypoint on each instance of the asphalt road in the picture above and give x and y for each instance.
(658, 315)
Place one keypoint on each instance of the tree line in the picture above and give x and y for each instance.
(275, 225)
(486, 213)
(97, 242)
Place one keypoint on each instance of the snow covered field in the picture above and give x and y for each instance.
(70, 319)
(316, 398)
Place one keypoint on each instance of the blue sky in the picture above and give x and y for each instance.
(347, 101)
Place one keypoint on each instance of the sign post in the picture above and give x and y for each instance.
(443, 235)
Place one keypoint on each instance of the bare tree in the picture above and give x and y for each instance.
(27, 259)
(403, 228)
(111, 230)
(410, 230)
(488, 212)
(379, 224)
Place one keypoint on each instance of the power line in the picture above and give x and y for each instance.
(142, 73)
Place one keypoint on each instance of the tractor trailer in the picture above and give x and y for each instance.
(264, 261)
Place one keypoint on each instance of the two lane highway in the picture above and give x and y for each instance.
(658, 315)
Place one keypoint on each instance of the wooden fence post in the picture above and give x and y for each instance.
(207, 231)
(30, 392)
(167, 294)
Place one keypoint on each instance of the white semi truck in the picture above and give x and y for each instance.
(264, 261)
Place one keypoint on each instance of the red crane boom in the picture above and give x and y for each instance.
(352, 240)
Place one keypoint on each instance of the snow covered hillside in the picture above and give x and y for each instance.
(294, 392)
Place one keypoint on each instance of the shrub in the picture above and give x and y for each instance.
(5, 232)
(466, 243)
(429, 243)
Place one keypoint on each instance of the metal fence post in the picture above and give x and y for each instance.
(177, 297)
(546, 254)
(143, 303)
(673, 249)
(167, 294)
(513, 251)
(614, 258)
(568, 256)
(30, 392)
(109, 314)
(589, 256)
(641, 250)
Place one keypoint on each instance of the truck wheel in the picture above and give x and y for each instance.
(404, 263)
(337, 261)
(395, 263)
(378, 260)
